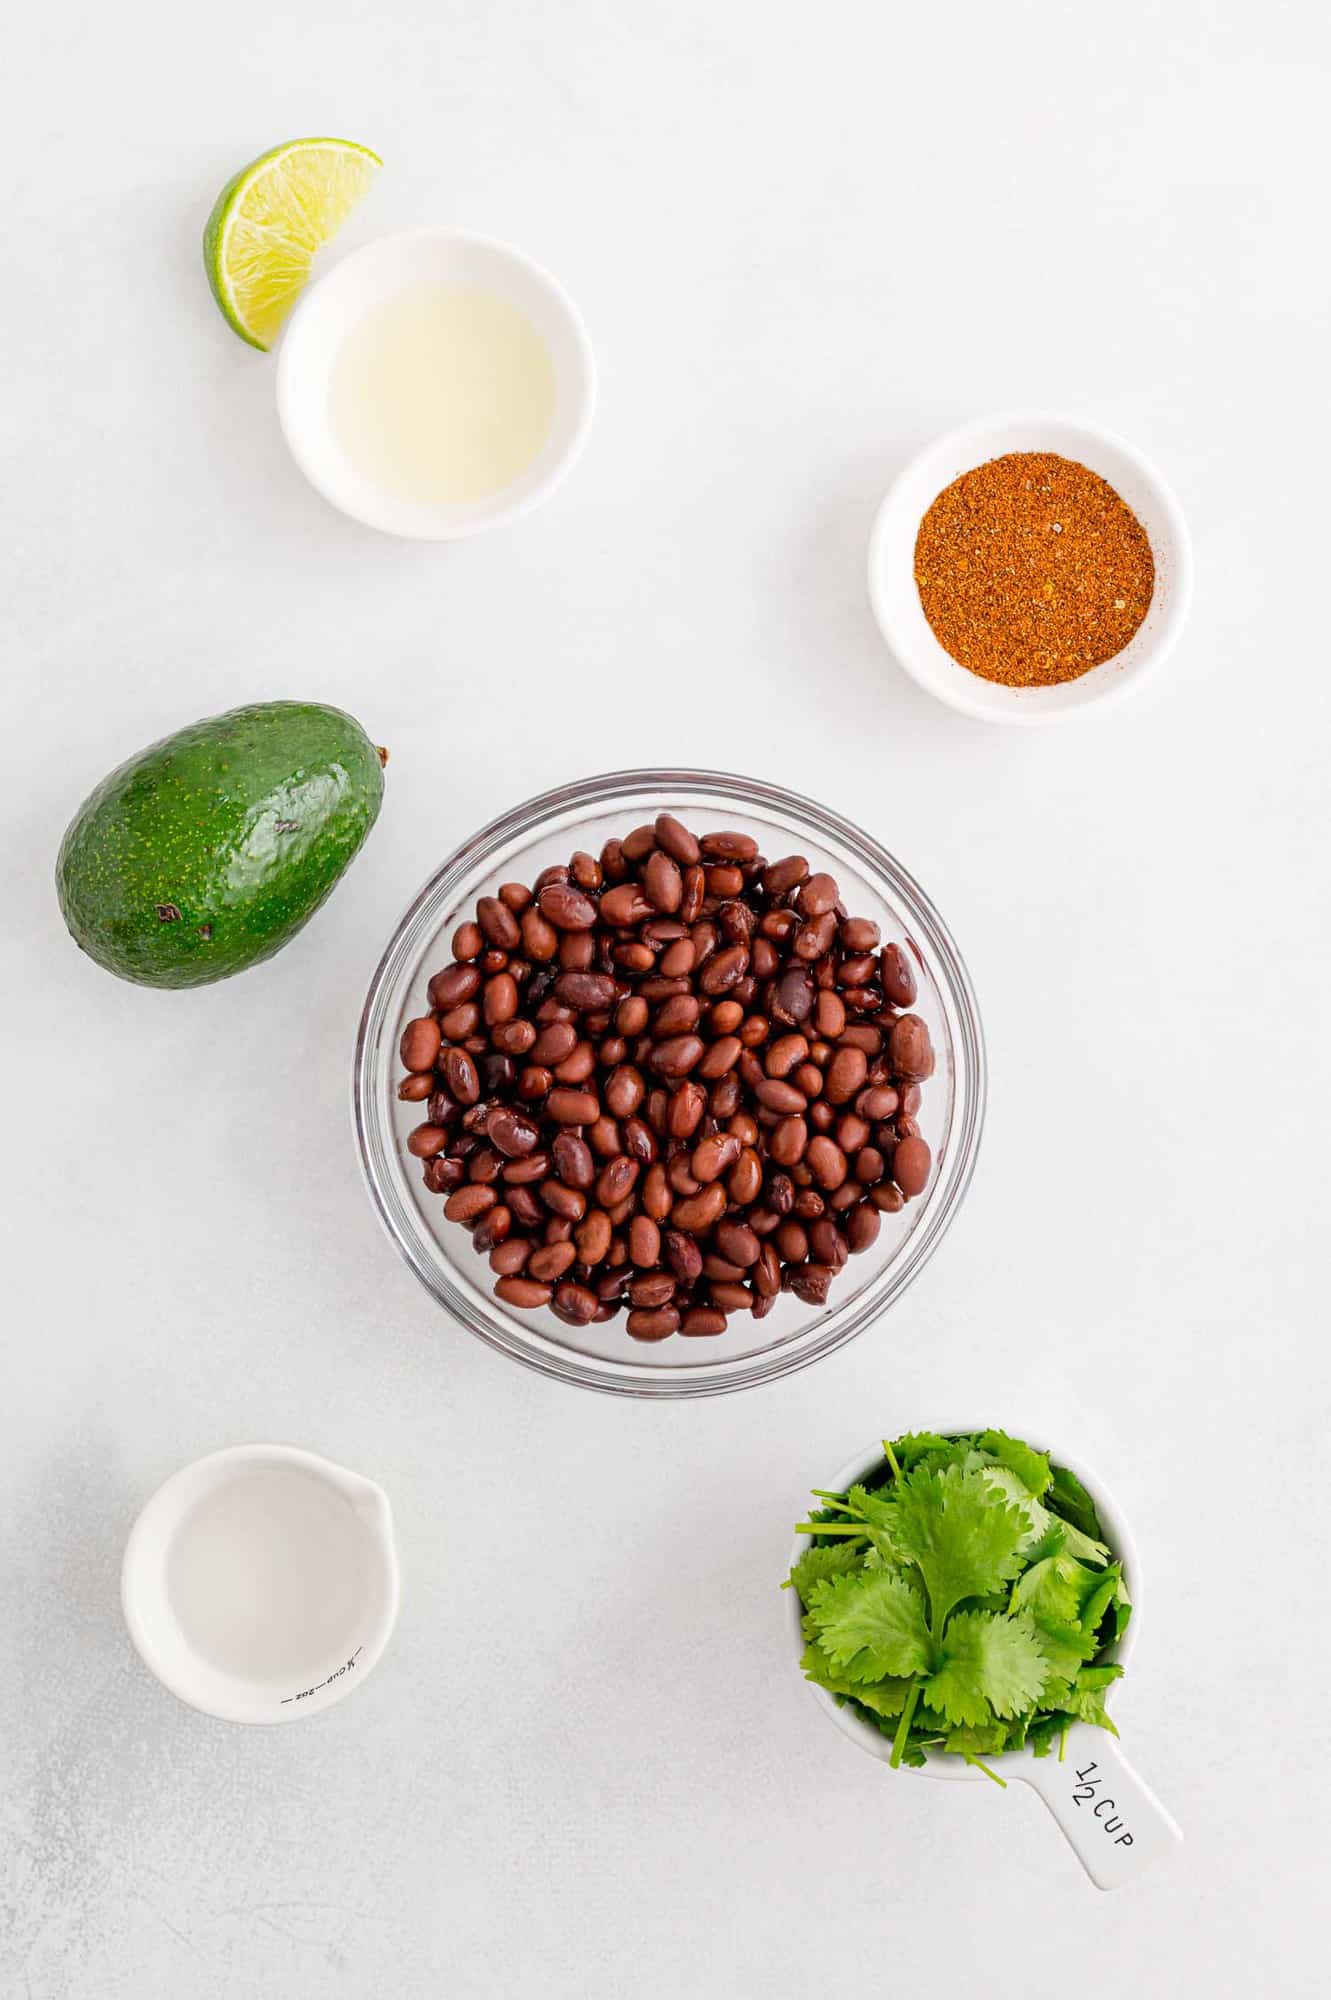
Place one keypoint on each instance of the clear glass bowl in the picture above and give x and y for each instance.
(547, 830)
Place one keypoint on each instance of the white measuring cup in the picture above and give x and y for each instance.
(1112, 1820)
(260, 1584)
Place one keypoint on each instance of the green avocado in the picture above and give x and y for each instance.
(206, 852)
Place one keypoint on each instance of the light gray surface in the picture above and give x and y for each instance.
(804, 239)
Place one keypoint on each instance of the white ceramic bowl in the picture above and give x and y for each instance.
(896, 598)
(334, 304)
(192, 1584)
(1109, 1816)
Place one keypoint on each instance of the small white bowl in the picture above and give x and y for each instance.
(260, 1584)
(896, 599)
(333, 305)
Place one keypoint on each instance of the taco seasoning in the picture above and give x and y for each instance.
(1032, 570)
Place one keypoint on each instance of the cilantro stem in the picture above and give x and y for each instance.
(891, 1458)
(980, 1765)
(1062, 1742)
(903, 1727)
(833, 1528)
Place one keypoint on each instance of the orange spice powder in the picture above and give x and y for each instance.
(1032, 570)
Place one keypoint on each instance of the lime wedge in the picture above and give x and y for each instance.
(269, 220)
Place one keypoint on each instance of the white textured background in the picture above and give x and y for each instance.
(805, 239)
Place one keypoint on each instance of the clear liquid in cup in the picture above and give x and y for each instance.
(268, 1574)
(443, 394)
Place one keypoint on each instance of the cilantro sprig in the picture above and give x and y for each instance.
(962, 1599)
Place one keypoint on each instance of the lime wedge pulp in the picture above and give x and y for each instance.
(269, 220)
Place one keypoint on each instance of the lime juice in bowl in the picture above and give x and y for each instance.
(443, 394)
(434, 383)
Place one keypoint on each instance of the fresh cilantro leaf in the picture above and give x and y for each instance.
(1086, 1697)
(1112, 1595)
(926, 1726)
(815, 1666)
(1100, 1598)
(1053, 1542)
(818, 1668)
(916, 1446)
(1002, 1479)
(968, 1457)
(1049, 1590)
(1068, 1602)
(1069, 1498)
(871, 1624)
(1083, 1546)
(1065, 1647)
(993, 1600)
(819, 1561)
(959, 1598)
(1046, 1731)
(1039, 1520)
(979, 1740)
(870, 1506)
(1063, 1589)
(958, 1532)
(1017, 1727)
(886, 1725)
(990, 1666)
(1099, 1677)
(1030, 1466)
(872, 1510)
(885, 1698)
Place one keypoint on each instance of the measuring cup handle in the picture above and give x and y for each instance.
(1114, 1823)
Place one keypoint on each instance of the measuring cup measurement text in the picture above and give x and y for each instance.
(336, 1675)
(1085, 1792)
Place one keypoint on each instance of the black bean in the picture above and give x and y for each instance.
(676, 1076)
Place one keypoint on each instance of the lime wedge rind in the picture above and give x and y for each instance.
(268, 222)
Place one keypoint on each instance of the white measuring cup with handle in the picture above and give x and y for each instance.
(1110, 1817)
(260, 1584)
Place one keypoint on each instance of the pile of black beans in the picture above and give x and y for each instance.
(676, 1078)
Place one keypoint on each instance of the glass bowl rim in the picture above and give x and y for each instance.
(946, 968)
